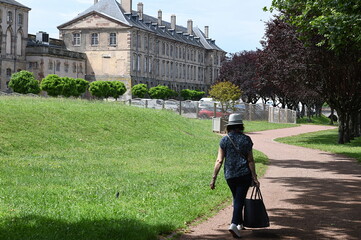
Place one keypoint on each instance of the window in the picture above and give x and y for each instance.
(8, 72)
(66, 67)
(112, 39)
(1, 16)
(76, 39)
(20, 19)
(74, 67)
(58, 66)
(50, 65)
(94, 39)
(33, 65)
(10, 17)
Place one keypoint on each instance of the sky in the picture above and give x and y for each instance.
(236, 25)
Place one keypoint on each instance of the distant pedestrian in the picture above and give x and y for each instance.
(239, 168)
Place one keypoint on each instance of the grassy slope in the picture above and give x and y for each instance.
(63, 161)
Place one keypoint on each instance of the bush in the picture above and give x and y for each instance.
(81, 86)
(106, 89)
(24, 82)
(65, 86)
(117, 89)
(68, 87)
(52, 84)
(194, 95)
(160, 92)
(139, 90)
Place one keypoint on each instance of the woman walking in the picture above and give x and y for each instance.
(239, 168)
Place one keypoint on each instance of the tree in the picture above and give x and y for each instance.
(226, 93)
(81, 86)
(52, 84)
(69, 87)
(241, 70)
(140, 90)
(194, 95)
(331, 30)
(117, 89)
(100, 89)
(160, 92)
(24, 82)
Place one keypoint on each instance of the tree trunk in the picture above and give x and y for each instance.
(331, 116)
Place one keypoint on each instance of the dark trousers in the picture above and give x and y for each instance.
(239, 187)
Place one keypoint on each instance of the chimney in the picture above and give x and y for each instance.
(173, 22)
(190, 27)
(127, 6)
(95, 2)
(160, 22)
(140, 11)
(206, 31)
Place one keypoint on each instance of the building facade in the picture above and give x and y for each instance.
(130, 46)
(13, 39)
(46, 56)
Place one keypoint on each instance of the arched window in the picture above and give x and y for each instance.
(10, 17)
(20, 19)
(1, 16)
(8, 42)
(19, 44)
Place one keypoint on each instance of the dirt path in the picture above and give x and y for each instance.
(309, 194)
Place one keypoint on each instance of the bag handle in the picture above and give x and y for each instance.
(256, 193)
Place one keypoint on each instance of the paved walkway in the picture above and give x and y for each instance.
(309, 194)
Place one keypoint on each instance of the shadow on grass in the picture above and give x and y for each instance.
(41, 228)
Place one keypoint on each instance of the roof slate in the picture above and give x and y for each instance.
(13, 2)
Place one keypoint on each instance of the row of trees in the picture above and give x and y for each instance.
(24, 82)
(164, 92)
(311, 54)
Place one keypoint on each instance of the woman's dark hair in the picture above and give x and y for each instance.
(236, 128)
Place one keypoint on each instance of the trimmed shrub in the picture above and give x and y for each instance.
(194, 95)
(160, 92)
(117, 89)
(139, 90)
(24, 82)
(68, 87)
(52, 84)
(81, 86)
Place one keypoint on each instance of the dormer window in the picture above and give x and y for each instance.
(112, 39)
(10, 17)
(76, 39)
(20, 19)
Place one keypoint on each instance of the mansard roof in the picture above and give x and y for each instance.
(112, 9)
(15, 3)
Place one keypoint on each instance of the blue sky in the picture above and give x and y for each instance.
(236, 25)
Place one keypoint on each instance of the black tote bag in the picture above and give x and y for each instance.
(255, 214)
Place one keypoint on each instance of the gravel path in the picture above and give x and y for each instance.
(309, 194)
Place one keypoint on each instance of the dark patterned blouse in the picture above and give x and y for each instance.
(235, 165)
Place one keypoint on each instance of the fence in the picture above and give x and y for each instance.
(208, 110)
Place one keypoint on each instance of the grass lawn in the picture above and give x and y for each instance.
(80, 170)
(326, 141)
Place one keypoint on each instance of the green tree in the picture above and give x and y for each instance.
(337, 22)
(100, 89)
(160, 92)
(226, 93)
(81, 86)
(140, 90)
(69, 87)
(24, 82)
(52, 84)
(194, 95)
(117, 89)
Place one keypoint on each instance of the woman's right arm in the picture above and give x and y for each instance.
(217, 167)
(252, 167)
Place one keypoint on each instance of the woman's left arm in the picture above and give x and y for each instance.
(217, 167)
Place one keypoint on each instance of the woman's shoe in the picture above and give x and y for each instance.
(234, 231)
